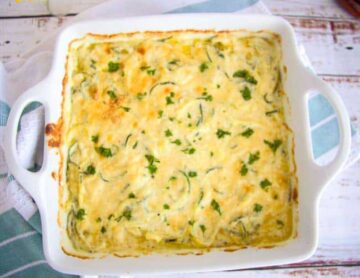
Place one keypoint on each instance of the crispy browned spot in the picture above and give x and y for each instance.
(295, 194)
(141, 50)
(53, 131)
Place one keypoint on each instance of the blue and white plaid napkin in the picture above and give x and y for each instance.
(21, 252)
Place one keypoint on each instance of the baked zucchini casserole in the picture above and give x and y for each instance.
(175, 142)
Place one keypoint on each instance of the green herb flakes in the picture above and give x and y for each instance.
(265, 184)
(168, 133)
(247, 133)
(189, 150)
(151, 160)
(273, 145)
(166, 206)
(215, 205)
(80, 214)
(176, 142)
(254, 157)
(244, 170)
(106, 152)
(160, 113)
(127, 213)
(126, 109)
(220, 133)
(112, 94)
(95, 138)
(191, 222)
(103, 230)
(192, 174)
(246, 93)
(112, 66)
(206, 97)
(140, 96)
(258, 208)
(151, 72)
(203, 67)
(246, 75)
(202, 228)
(131, 195)
(90, 170)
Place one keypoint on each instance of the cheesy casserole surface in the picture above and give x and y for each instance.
(175, 142)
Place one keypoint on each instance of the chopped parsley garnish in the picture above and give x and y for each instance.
(206, 97)
(280, 223)
(203, 228)
(80, 214)
(189, 115)
(211, 154)
(135, 145)
(218, 86)
(112, 94)
(273, 145)
(166, 206)
(126, 109)
(98, 220)
(189, 150)
(112, 67)
(103, 230)
(176, 142)
(244, 170)
(144, 68)
(192, 174)
(131, 196)
(95, 138)
(160, 113)
(168, 133)
(140, 96)
(174, 62)
(246, 93)
(258, 208)
(269, 113)
(265, 184)
(127, 213)
(254, 157)
(106, 152)
(110, 216)
(246, 75)
(203, 67)
(215, 205)
(90, 170)
(151, 160)
(222, 133)
(151, 72)
(191, 222)
(247, 133)
(169, 99)
(173, 178)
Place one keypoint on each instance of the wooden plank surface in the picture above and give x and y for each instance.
(338, 40)
(331, 38)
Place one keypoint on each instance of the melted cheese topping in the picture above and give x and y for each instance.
(175, 142)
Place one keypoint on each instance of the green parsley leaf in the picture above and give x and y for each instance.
(151, 72)
(90, 170)
(265, 184)
(273, 145)
(166, 206)
(254, 157)
(189, 151)
(160, 113)
(168, 133)
(215, 205)
(246, 75)
(126, 109)
(106, 152)
(127, 213)
(221, 133)
(203, 67)
(174, 62)
(95, 138)
(247, 133)
(151, 160)
(191, 222)
(152, 168)
(112, 67)
(192, 174)
(280, 223)
(177, 142)
(246, 93)
(131, 196)
(80, 214)
(203, 228)
(140, 96)
(112, 94)
(258, 208)
(103, 230)
(244, 170)
(144, 68)
(169, 100)
(206, 97)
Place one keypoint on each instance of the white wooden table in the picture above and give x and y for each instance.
(332, 40)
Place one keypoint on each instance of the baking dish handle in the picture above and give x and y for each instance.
(29, 180)
(324, 174)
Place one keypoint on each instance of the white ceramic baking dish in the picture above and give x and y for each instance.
(312, 178)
